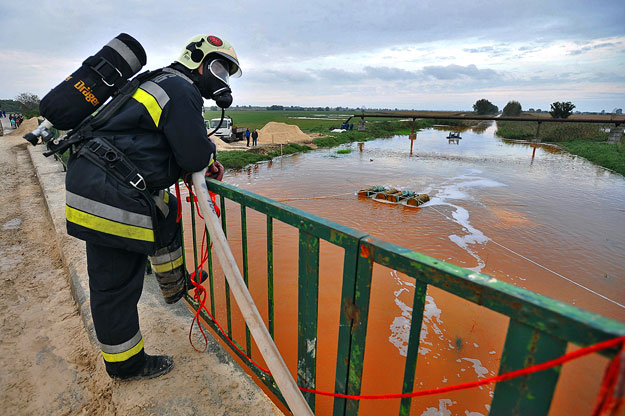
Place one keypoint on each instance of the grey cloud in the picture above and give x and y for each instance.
(387, 73)
(492, 51)
(271, 76)
(479, 50)
(288, 30)
(453, 71)
(591, 47)
(383, 74)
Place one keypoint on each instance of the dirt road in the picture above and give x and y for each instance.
(48, 365)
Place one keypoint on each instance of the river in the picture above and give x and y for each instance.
(532, 216)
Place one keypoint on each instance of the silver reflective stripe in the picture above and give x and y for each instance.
(116, 349)
(126, 53)
(106, 211)
(180, 74)
(167, 257)
(157, 92)
(160, 203)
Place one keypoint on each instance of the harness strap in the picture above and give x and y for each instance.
(106, 70)
(113, 161)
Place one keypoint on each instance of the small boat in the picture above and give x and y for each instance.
(394, 196)
(454, 135)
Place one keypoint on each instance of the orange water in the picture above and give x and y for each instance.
(552, 223)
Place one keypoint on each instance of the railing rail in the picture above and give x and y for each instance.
(540, 328)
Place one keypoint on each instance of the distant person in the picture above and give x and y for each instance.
(13, 123)
(255, 138)
(247, 136)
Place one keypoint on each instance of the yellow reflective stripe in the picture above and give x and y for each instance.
(123, 356)
(167, 267)
(150, 104)
(166, 197)
(107, 226)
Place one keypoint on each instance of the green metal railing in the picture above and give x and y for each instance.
(539, 328)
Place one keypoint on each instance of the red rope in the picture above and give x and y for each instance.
(200, 292)
(611, 396)
(179, 204)
(502, 377)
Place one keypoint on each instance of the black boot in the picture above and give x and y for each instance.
(154, 366)
(191, 276)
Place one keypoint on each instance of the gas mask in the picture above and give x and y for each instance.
(214, 83)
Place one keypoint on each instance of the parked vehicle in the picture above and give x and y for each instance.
(227, 132)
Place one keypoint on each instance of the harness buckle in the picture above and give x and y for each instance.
(94, 146)
(110, 156)
(139, 183)
(101, 65)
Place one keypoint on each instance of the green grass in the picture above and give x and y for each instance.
(551, 132)
(611, 156)
(344, 151)
(238, 159)
(582, 139)
(375, 130)
(256, 119)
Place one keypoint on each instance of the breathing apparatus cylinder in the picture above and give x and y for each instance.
(99, 77)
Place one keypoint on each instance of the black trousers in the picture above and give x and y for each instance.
(115, 285)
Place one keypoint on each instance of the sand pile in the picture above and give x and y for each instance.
(281, 133)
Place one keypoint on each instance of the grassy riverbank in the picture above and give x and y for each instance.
(237, 159)
(611, 156)
(581, 139)
(552, 132)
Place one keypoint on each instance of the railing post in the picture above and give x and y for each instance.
(360, 314)
(532, 394)
(248, 339)
(270, 300)
(418, 305)
(537, 138)
(347, 319)
(308, 295)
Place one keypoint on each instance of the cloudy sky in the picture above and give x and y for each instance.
(420, 54)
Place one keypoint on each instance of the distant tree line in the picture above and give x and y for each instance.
(559, 109)
(25, 103)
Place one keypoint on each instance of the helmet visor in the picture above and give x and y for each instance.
(219, 68)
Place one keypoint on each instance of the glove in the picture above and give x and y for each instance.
(215, 171)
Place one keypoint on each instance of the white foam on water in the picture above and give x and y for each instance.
(442, 410)
(479, 369)
(400, 327)
(456, 189)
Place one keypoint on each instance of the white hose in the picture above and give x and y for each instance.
(269, 351)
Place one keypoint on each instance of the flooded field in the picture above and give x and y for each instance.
(533, 217)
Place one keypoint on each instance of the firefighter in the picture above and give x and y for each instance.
(117, 198)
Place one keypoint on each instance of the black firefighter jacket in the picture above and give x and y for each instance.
(161, 130)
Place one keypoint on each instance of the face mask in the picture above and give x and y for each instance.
(214, 83)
